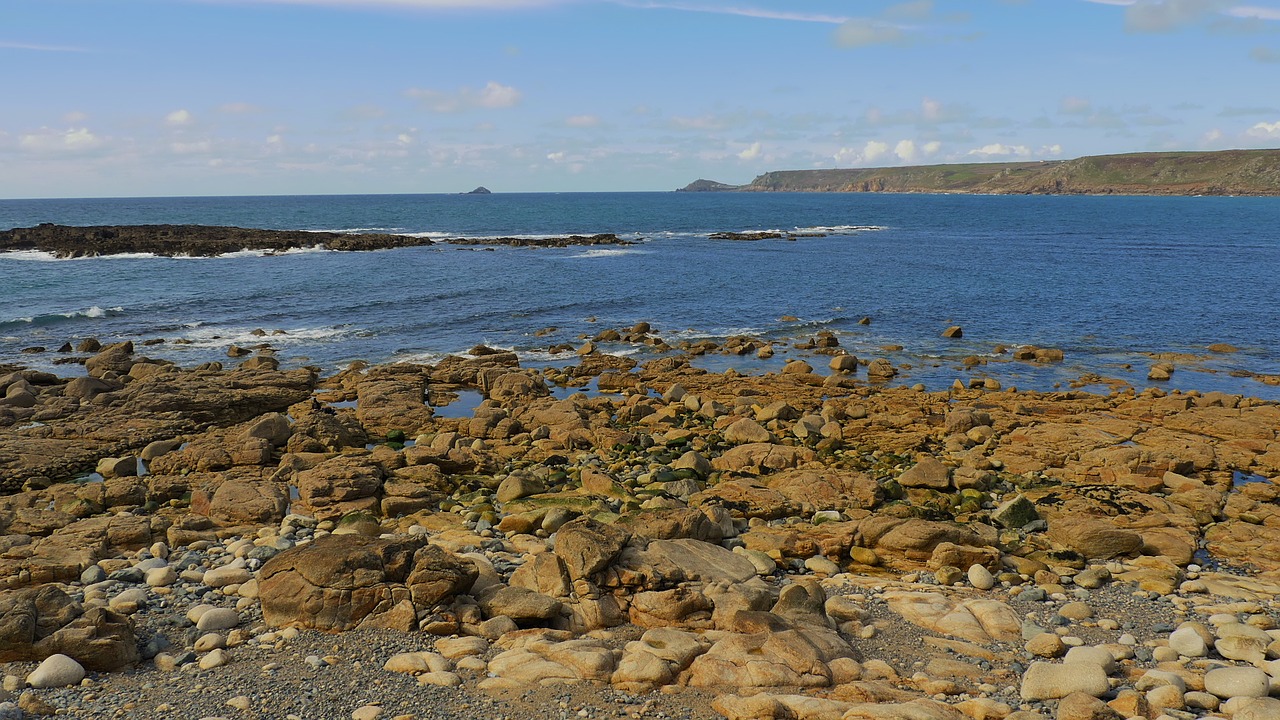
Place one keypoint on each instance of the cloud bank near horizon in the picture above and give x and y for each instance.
(610, 94)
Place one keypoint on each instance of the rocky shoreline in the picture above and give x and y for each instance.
(63, 241)
(265, 543)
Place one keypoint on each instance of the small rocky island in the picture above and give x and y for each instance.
(482, 190)
(64, 241)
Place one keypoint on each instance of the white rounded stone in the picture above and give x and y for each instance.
(217, 619)
(1188, 643)
(1235, 682)
(981, 578)
(56, 671)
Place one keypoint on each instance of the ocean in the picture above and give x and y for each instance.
(1112, 281)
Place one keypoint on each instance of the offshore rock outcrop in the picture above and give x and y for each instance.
(65, 241)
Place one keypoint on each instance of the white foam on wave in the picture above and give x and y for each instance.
(419, 358)
(29, 255)
(544, 356)
(353, 230)
(247, 253)
(824, 229)
(605, 253)
(92, 312)
(712, 333)
(42, 256)
(842, 229)
(430, 234)
(205, 336)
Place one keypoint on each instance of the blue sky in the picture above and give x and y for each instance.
(229, 97)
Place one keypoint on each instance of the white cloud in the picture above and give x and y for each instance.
(492, 96)
(178, 118)
(582, 121)
(1050, 150)
(751, 153)
(556, 157)
(49, 140)
(931, 148)
(906, 150)
(864, 32)
(404, 139)
(1265, 130)
(995, 150)
(874, 151)
(869, 153)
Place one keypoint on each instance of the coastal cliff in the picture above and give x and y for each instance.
(1228, 172)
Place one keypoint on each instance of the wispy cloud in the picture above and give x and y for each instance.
(1160, 16)
(424, 4)
(862, 32)
(762, 13)
(1255, 11)
(754, 12)
(491, 96)
(51, 140)
(38, 47)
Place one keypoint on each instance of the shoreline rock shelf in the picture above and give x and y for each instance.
(210, 241)
(695, 545)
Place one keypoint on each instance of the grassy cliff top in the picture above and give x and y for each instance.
(1226, 172)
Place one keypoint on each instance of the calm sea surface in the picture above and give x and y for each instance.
(1106, 279)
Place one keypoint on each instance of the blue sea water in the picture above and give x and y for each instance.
(1109, 280)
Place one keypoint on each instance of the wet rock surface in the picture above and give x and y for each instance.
(693, 545)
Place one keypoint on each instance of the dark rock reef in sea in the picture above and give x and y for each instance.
(65, 241)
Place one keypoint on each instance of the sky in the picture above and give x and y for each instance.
(115, 98)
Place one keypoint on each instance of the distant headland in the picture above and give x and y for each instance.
(1225, 172)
